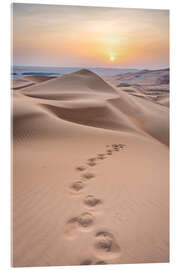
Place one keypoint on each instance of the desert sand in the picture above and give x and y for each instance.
(90, 169)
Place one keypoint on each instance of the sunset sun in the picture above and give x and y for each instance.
(112, 58)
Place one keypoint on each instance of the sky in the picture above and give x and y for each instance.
(56, 35)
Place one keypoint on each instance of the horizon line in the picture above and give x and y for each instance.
(165, 67)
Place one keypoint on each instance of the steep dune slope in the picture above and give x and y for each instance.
(148, 116)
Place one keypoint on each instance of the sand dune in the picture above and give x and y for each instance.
(38, 79)
(90, 169)
(19, 83)
(151, 84)
(146, 77)
(100, 105)
(83, 82)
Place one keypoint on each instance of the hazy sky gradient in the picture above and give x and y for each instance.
(88, 36)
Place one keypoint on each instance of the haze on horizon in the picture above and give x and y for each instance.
(51, 35)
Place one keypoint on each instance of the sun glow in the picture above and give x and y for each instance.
(112, 58)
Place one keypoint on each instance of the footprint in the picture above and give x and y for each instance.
(80, 168)
(71, 226)
(115, 145)
(91, 159)
(104, 241)
(116, 148)
(109, 152)
(92, 201)
(101, 156)
(100, 262)
(106, 246)
(89, 261)
(76, 186)
(91, 163)
(86, 262)
(122, 146)
(84, 221)
(88, 175)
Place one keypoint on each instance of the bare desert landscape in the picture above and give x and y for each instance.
(90, 168)
(90, 135)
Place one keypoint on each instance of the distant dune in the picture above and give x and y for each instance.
(150, 84)
(28, 81)
(90, 169)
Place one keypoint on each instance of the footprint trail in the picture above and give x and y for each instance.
(105, 244)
